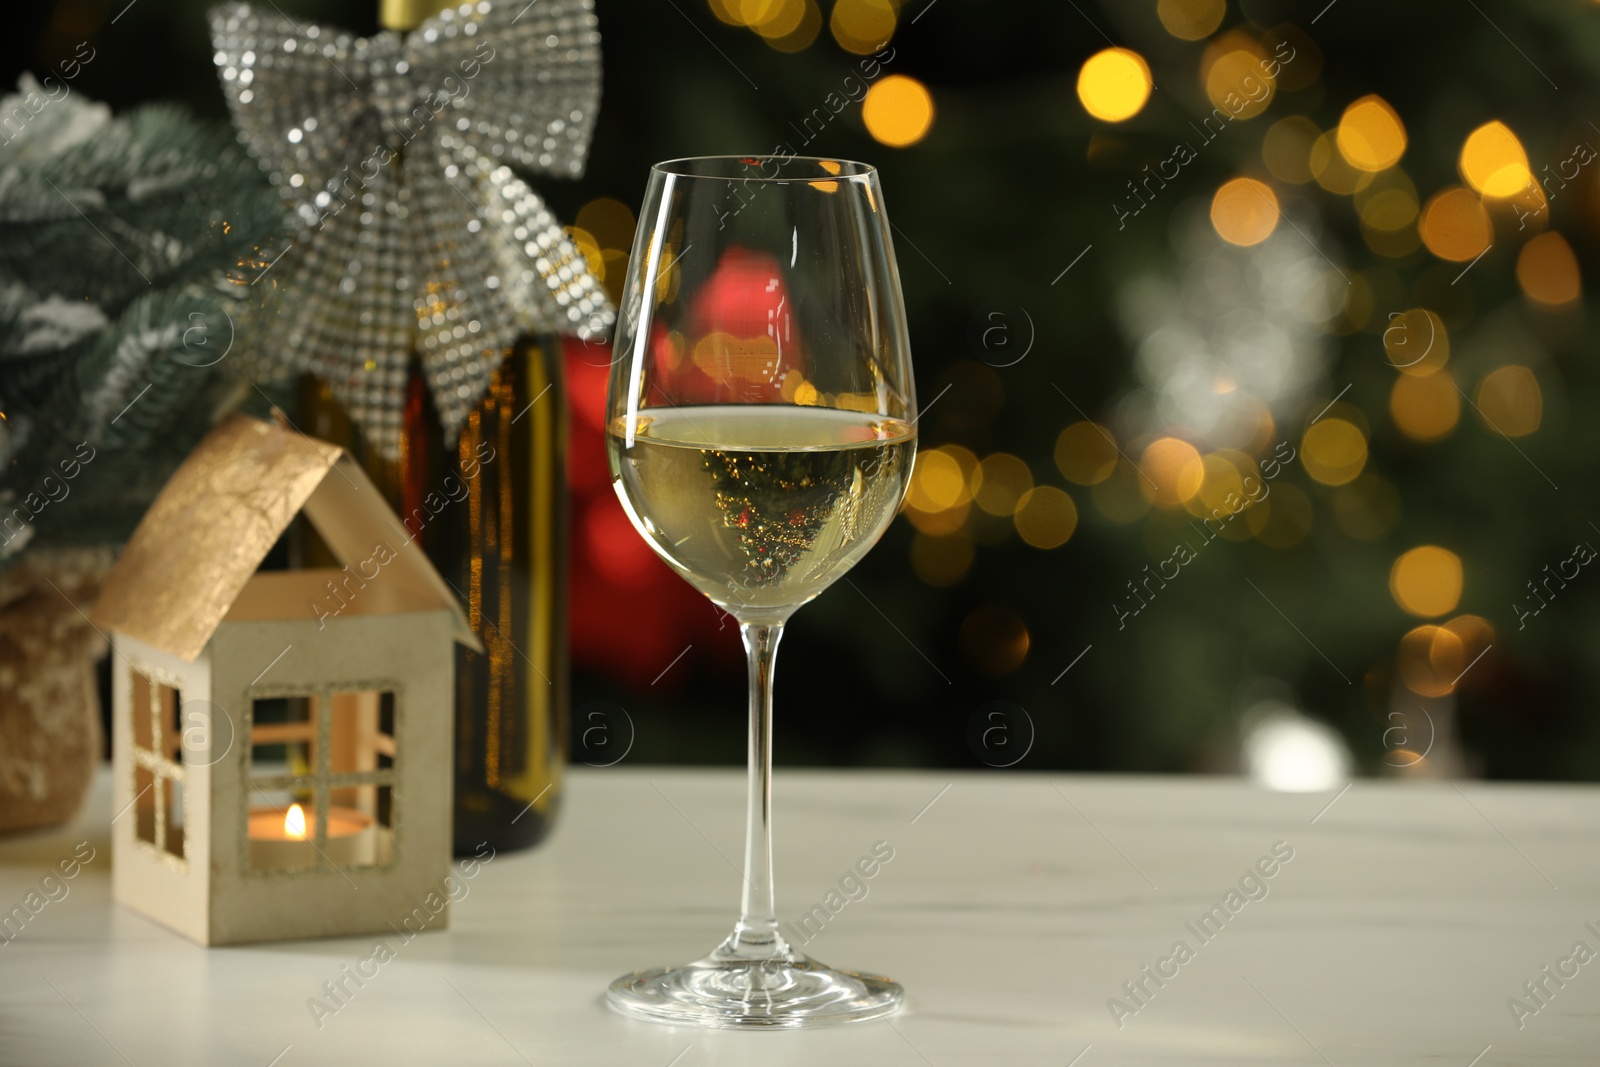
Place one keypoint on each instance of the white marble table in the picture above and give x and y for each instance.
(1016, 905)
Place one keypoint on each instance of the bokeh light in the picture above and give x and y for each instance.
(1291, 753)
(771, 18)
(1455, 226)
(1046, 517)
(1190, 20)
(936, 482)
(1114, 84)
(1388, 209)
(1234, 76)
(1426, 581)
(1434, 659)
(1494, 162)
(1223, 494)
(1416, 341)
(729, 11)
(1222, 479)
(1086, 453)
(1510, 401)
(862, 26)
(1333, 451)
(1548, 271)
(611, 223)
(786, 25)
(898, 111)
(1430, 659)
(939, 496)
(1425, 407)
(1332, 171)
(1173, 471)
(609, 220)
(1000, 483)
(1371, 135)
(1390, 203)
(1244, 211)
(1476, 636)
(804, 33)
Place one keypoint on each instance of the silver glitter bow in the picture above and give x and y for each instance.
(410, 231)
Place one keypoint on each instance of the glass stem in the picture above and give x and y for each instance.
(756, 936)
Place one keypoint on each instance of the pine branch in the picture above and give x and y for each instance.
(103, 210)
(116, 323)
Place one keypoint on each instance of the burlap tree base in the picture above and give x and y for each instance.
(50, 738)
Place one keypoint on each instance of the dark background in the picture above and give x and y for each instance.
(1010, 184)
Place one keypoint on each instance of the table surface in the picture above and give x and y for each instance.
(1014, 909)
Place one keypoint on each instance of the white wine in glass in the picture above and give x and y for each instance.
(762, 506)
(762, 427)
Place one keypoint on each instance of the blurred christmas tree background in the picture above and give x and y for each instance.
(1251, 344)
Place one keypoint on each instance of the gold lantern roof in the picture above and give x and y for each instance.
(214, 522)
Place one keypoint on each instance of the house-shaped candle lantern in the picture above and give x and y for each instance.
(281, 740)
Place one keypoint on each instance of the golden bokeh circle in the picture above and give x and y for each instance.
(1191, 20)
(1416, 341)
(1001, 482)
(1493, 161)
(1510, 401)
(1548, 271)
(1455, 226)
(1114, 84)
(898, 111)
(1244, 211)
(1172, 470)
(1333, 451)
(862, 26)
(1425, 407)
(1046, 517)
(1426, 581)
(1236, 83)
(1371, 135)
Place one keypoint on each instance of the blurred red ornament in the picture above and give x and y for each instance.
(740, 340)
(745, 296)
(629, 614)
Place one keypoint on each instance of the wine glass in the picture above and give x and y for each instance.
(761, 429)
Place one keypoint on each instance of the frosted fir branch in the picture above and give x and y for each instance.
(150, 336)
(51, 126)
(55, 324)
(115, 327)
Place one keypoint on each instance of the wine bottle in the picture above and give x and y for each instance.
(490, 511)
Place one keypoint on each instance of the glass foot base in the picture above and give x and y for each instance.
(728, 992)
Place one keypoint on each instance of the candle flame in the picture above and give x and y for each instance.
(294, 822)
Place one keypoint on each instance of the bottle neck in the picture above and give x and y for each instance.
(404, 15)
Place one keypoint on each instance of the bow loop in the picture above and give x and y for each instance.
(523, 86)
(410, 230)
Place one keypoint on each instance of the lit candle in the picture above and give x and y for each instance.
(285, 839)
